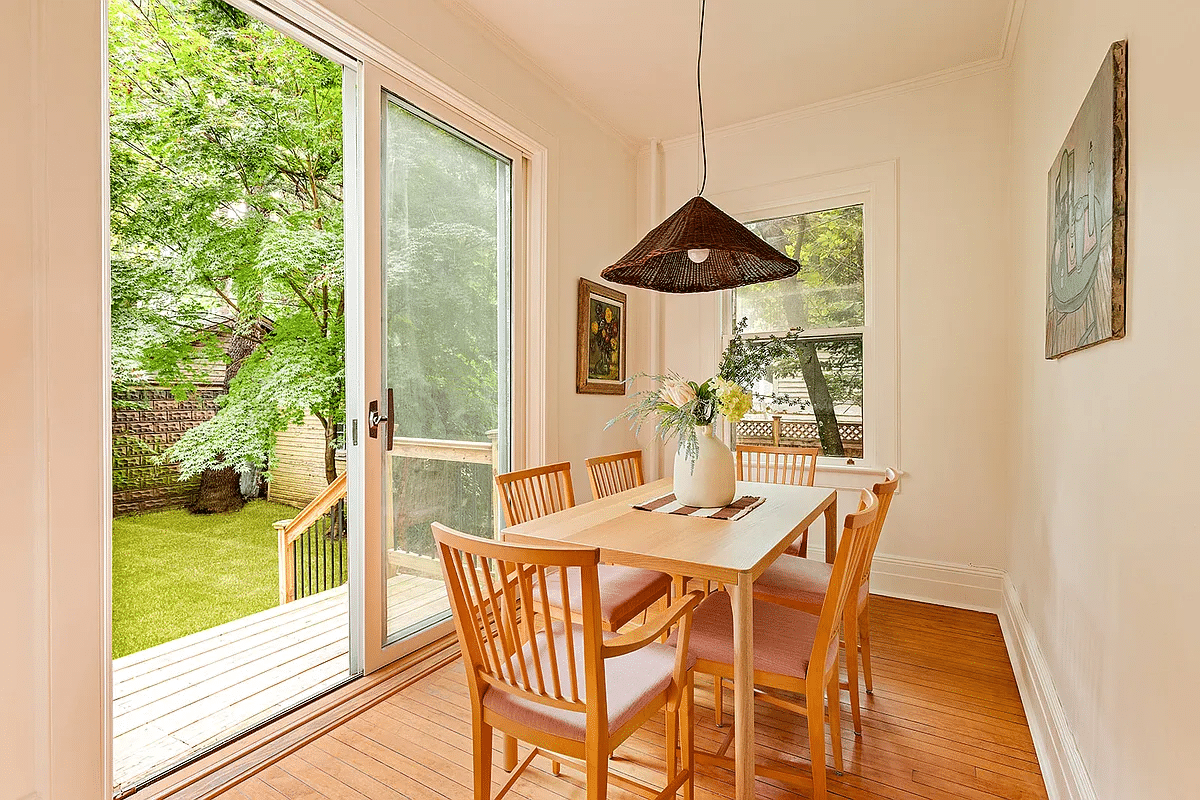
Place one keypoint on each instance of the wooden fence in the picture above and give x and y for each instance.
(799, 433)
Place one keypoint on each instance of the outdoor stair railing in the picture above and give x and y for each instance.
(312, 545)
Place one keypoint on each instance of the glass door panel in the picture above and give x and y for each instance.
(446, 260)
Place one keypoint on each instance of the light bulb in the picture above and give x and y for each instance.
(698, 255)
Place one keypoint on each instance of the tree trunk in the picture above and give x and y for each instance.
(822, 402)
(220, 489)
(330, 452)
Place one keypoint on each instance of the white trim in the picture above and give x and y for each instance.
(1062, 765)
(874, 186)
(325, 25)
(969, 586)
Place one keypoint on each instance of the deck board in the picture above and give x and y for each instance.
(181, 697)
(945, 723)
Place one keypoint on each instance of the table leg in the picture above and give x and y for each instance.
(831, 531)
(743, 686)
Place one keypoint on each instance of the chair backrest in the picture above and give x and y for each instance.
(852, 551)
(615, 473)
(883, 491)
(767, 464)
(495, 590)
(531, 493)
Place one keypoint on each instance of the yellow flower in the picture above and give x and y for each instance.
(595, 327)
(608, 315)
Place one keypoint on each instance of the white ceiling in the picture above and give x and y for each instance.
(632, 62)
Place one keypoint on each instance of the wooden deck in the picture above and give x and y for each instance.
(181, 697)
(945, 723)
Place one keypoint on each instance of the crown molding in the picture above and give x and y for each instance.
(469, 14)
(1001, 60)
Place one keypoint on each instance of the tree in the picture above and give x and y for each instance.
(226, 196)
(827, 292)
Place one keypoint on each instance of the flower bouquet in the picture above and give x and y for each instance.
(686, 410)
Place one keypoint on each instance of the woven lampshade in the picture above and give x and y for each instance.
(736, 256)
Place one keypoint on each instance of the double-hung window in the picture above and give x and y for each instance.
(812, 395)
(836, 387)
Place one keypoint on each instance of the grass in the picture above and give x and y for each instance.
(176, 573)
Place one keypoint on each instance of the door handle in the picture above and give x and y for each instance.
(374, 420)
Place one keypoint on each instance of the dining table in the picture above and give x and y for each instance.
(732, 552)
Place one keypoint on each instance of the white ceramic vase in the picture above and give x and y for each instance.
(711, 483)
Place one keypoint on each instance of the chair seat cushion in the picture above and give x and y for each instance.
(631, 682)
(625, 592)
(783, 637)
(800, 581)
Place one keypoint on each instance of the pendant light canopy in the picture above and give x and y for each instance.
(700, 248)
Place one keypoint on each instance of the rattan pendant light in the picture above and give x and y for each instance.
(700, 248)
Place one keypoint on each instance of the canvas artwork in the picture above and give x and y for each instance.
(600, 360)
(1085, 285)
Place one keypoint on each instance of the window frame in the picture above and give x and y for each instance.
(874, 188)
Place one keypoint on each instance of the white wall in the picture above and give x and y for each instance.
(1105, 554)
(949, 143)
(54, 408)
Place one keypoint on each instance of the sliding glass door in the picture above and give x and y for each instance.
(439, 292)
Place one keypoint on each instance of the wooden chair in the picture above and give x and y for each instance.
(795, 466)
(803, 583)
(615, 473)
(625, 592)
(794, 651)
(564, 687)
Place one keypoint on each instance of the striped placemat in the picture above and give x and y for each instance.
(667, 504)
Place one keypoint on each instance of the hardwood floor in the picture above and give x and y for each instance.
(945, 723)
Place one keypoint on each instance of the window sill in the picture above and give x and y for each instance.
(851, 476)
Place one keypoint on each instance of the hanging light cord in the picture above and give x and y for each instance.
(700, 104)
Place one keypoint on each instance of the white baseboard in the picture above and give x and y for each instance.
(1062, 766)
(938, 582)
(955, 585)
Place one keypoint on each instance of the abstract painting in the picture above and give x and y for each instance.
(1085, 278)
(600, 360)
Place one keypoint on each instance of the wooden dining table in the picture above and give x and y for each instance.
(732, 552)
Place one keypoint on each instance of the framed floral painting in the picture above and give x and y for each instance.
(600, 360)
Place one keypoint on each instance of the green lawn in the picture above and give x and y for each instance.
(176, 573)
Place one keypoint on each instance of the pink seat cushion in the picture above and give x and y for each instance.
(631, 682)
(625, 592)
(783, 637)
(802, 581)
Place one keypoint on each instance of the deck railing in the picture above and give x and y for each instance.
(312, 545)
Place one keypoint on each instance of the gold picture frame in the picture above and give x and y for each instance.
(600, 357)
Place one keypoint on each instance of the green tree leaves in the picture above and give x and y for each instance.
(226, 190)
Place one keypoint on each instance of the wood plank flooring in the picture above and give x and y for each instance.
(180, 697)
(945, 723)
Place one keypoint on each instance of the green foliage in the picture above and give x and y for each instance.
(226, 190)
(827, 293)
(442, 245)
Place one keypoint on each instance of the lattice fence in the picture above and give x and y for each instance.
(799, 433)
